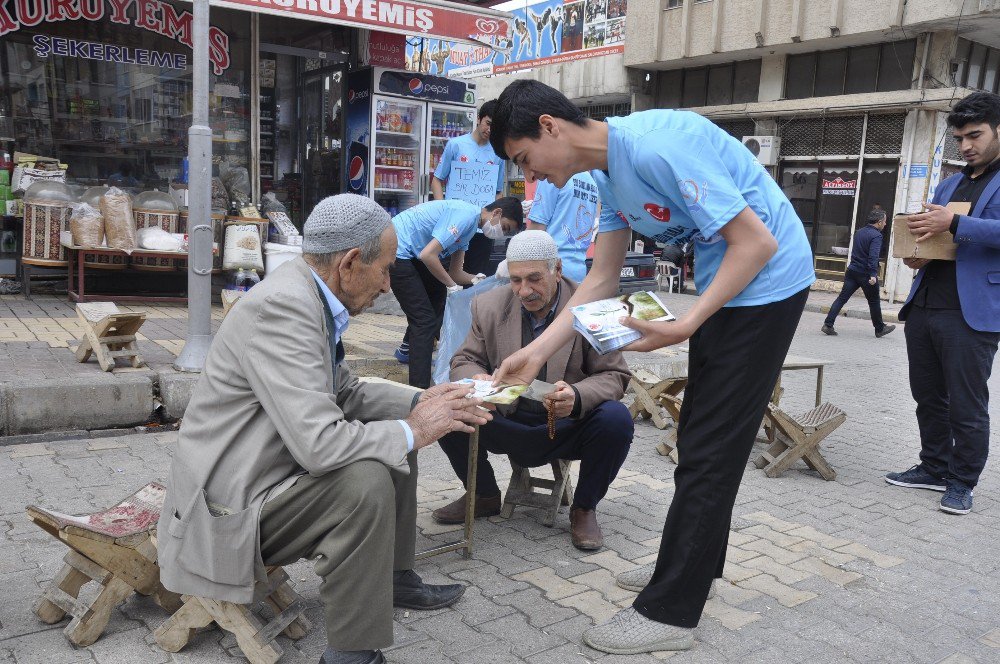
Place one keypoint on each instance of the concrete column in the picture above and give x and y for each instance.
(772, 78)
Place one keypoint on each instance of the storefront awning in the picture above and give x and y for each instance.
(429, 18)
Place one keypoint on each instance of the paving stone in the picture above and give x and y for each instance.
(591, 603)
(784, 594)
(991, 638)
(783, 573)
(529, 640)
(829, 572)
(611, 561)
(730, 616)
(603, 582)
(554, 586)
(862, 551)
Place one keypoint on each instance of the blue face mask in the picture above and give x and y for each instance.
(493, 231)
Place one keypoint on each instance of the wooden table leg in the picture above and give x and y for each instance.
(819, 385)
(470, 490)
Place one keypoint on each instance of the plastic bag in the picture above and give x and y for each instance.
(456, 325)
(237, 181)
(87, 226)
(119, 224)
(242, 248)
(158, 239)
(220, 200)
(270, 203)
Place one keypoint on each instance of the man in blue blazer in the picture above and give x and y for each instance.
(953, 314)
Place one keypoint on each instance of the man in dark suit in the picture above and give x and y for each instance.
(862, 272)
(953, 314)
(592, 425)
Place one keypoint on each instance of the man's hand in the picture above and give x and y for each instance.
(518, 369)
(450, 410)
(561, 401)
(657, 334)
(915, 263)
(872, 281)
(936, 220)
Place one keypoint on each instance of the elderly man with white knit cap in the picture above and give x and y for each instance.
(284, 455)
(591, 424)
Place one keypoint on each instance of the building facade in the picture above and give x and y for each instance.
(844, 101)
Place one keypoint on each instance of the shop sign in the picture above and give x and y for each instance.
(451, 22)
(77, 48)
(839, 187)
(153, 15)
(386, 49)
(545, 33)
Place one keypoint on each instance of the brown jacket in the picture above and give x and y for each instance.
(496, 334)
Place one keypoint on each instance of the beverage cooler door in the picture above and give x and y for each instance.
(446, 122)
(399, 131)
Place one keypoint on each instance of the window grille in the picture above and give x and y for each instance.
(601, 111)
(885, 134)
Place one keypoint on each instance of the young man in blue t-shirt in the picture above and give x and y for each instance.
(426, 234)
(568, 214)
(675, 177)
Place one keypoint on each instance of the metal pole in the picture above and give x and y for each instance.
(199, 338)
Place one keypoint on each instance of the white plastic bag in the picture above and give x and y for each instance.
(158, 239)
(456, 325)
(242, 248)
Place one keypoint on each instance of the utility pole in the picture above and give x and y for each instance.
(199, 337)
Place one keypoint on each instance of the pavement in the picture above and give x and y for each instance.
(851, 570)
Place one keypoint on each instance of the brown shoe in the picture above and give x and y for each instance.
(455, 512)
(584, 529)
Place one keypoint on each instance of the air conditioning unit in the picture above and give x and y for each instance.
(765, 148)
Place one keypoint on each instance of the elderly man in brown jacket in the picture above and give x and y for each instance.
(284, 455)
(592, 423)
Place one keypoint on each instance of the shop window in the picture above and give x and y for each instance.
(668, 89)
(977, 62)
(800, 74)
(895, 70)
(990, 74)
(105, 114)
(695, 86)
(746, 82)
(976, 66)
(720, 85)
(961, 60)
(674, 4)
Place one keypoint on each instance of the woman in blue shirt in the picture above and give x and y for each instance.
(675, 177)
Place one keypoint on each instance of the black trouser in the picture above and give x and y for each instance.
(734, 360)
(852, 282)
(422, 298)
(600, 439)
(950, 364)
(477, 256)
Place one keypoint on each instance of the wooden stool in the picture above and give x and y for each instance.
(521, 491)
(112, 548)
(108, 334)
(798, 438)
(256, 640)
(647, 390)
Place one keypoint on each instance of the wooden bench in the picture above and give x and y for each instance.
(112, 548)
(799, 438)
(255, 639)
(108, 334)
(554, 493)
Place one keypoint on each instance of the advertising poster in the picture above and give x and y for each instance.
(546, 32)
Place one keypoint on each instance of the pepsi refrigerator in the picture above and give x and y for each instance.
(397, 124)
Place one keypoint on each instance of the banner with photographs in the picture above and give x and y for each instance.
(547, 32)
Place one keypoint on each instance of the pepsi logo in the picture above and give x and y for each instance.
(657, 212)
(350, 96)
(353, 96)
(416, 86)
(356, 173)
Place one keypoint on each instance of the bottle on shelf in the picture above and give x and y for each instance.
(233, 210)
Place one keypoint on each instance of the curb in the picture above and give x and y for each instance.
(71, 407)
(887, 316)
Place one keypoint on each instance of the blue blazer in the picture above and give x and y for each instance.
(977, 257)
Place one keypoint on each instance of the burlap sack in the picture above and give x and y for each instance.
(119, 224)
(87, 226)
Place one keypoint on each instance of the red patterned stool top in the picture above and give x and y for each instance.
(133, 515)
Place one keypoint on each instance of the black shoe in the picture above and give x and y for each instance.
(886, 329)
(827, 329)
(332, 656)
(410, 592)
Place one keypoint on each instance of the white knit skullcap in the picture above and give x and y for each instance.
(531, 246)
(343, 222)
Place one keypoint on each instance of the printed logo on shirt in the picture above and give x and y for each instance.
(621, 215)
(658, 212)
(454, 233)
(463, 159)
(693, 193)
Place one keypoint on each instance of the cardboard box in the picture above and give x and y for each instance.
(904, 244)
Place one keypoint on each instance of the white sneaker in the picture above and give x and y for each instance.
(630, 633)
(638, 578)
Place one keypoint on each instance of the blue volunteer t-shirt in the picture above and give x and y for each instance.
(674, 176)
(452, 223)
(465, 148)
(568, 215)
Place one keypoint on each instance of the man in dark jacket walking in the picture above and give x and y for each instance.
(862, 272)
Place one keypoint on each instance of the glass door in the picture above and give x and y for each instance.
(447, 122)
(321, 120)
(399, 137)
(838, 186)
